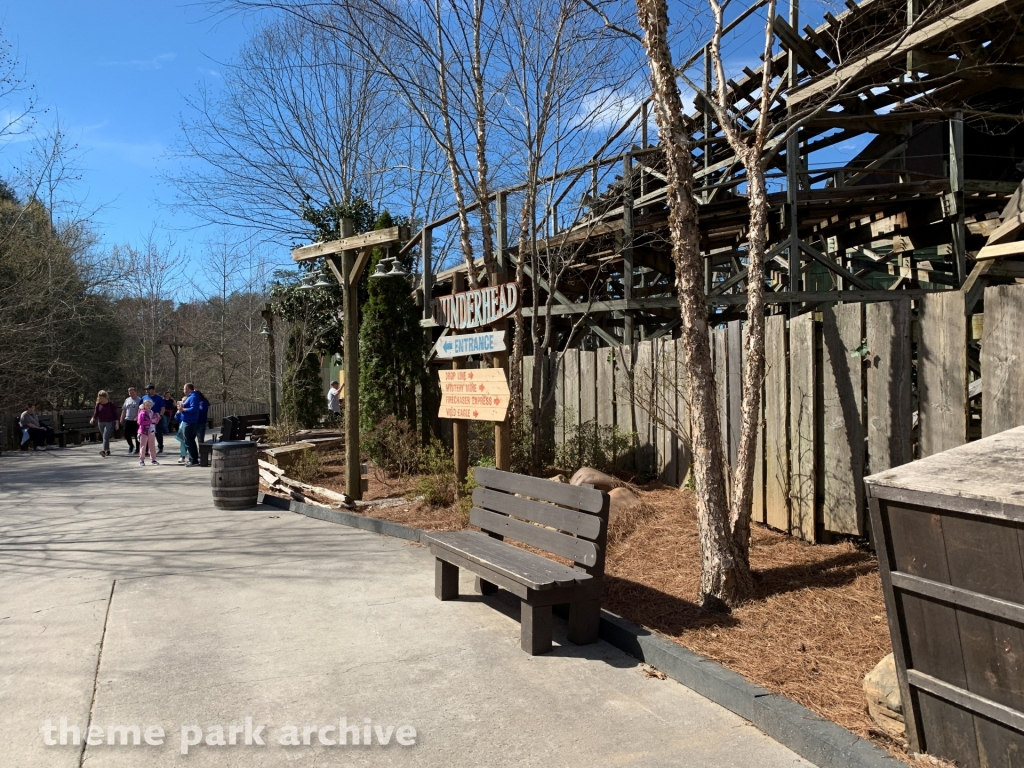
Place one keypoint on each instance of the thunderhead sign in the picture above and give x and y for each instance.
(473, 309)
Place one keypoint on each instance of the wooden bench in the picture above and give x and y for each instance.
(47, 420)
(565, 520)
(240, 427)
(76, 424)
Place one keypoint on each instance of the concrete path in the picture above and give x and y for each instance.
(126, 599)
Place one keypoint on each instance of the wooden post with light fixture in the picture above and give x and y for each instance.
(347, 258)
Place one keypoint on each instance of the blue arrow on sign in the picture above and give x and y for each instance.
(470, 344)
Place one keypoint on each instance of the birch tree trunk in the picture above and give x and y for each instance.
(724, 574)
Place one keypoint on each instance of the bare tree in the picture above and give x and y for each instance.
(300, 121)
(567, 69)
(723, 577)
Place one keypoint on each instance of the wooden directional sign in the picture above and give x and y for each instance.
(448, 347)
(479, 395)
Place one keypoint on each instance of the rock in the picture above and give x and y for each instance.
(621, 501)
(882, 690)
(558, 479)
(600, 480)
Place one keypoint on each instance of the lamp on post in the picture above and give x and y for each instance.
(175, 349)
(268, 331)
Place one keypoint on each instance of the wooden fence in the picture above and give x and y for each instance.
(849, 391)
(219, 410)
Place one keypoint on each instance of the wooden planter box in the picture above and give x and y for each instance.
(949, 531)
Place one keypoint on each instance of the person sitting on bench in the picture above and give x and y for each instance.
(39, 434)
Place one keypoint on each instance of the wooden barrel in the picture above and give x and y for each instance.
(234, 476)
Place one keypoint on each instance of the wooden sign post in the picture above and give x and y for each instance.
(347, 259)
(488, 306)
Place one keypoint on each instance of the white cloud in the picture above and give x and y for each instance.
(157, 62)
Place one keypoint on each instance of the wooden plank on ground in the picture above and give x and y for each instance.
(842, 394)
(735, 423)
(644, 392)
(776, 419)
(624, 403)
(682, 416)
(757, 506)
(889, 417)
(1002, 359)
(942, 373)
(802, 416)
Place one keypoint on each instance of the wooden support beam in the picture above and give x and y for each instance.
(351, 243)
(961, 18)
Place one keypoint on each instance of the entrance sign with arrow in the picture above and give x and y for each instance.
(479, 395)
(449, 347)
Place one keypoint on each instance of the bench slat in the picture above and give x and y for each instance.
(578, 550)
(579, 523)
(533, 571)
(577, 497)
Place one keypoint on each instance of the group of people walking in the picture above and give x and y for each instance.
(143, 420)
(147, 419)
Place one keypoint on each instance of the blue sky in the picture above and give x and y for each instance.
(116, 74)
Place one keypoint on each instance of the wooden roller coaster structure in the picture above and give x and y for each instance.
(931, 202)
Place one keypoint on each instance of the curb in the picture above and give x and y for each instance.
(372, 524)
(811, 736)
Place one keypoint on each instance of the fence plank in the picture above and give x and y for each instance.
(570, 414)
(605, 387)
(735, 388)
(757, 506)
(802, 414)
(669, 443)
(720, 337)
(682, 417)
(942, 372)
(842, 413)
(1002, 359)
(559, 387)
(776, 434)
(644, 397)
(890, 427)
(588, 386)
(624, 404)
(527, 384)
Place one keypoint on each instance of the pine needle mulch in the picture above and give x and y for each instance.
(814, 627)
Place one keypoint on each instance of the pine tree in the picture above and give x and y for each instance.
(391, 344)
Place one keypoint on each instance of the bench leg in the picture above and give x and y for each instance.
(584, 621)
(485, 587)
(535, 632)
(446, 580)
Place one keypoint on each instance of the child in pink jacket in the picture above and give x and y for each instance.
(147, 432)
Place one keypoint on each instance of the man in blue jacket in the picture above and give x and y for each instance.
(189, 412)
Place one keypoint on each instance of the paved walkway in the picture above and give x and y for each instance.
(126, 599)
